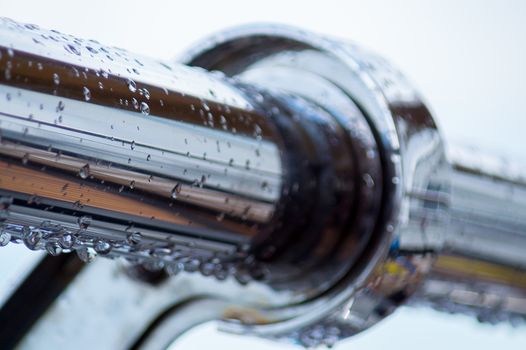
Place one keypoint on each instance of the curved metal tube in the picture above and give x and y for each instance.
(305, 168)
(178, 321)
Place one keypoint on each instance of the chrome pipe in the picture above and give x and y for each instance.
(307, 169)
(480, 267)
(105, 152)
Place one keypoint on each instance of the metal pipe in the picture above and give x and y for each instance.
(481, 266)
(106, 152)
(306, 168)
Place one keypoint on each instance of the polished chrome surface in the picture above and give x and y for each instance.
(481, 267)
(304, 173)
(412, 180)
(108, 153)
(95, 139)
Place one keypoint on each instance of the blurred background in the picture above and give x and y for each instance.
(467, 59)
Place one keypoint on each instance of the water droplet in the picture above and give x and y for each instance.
(10, 52)
(176, 190)
(368, 180)
(161, 252)
(5, 238)
(32, 237)
(53, 248)
(84, 222)
(132, 184)
(242, 276)
(192, 264)
(173, 268)
(223, 122)
(66, 241)
(221, 273)
(145, 109)
(56, 79)
(135, 103)
(73, 49)
(210, 118)
(86, 254)
(207, 268)
(134, 238)
(101, 86)
(259, 98)
(131, 85)
(132, 145)
(86, 93)
(91, 49)
(84, 172)
(148, 158)
(146, 94)
(102, 247)
(60, 106)
(153, 265)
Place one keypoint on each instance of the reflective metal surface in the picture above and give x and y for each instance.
(303, 173)
(480, 268)
(105, 152)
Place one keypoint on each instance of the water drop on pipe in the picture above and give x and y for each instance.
(84, 172)
(132, 86)
(102, 247)
(145, 109)
(56, 79)
(5, 238)
(86, 254)
(175, 191)
(86, 93)
(134, 238)
(60, 106)
(53, 248)
(67, 241)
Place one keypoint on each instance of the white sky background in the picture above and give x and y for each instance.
(467, 58)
